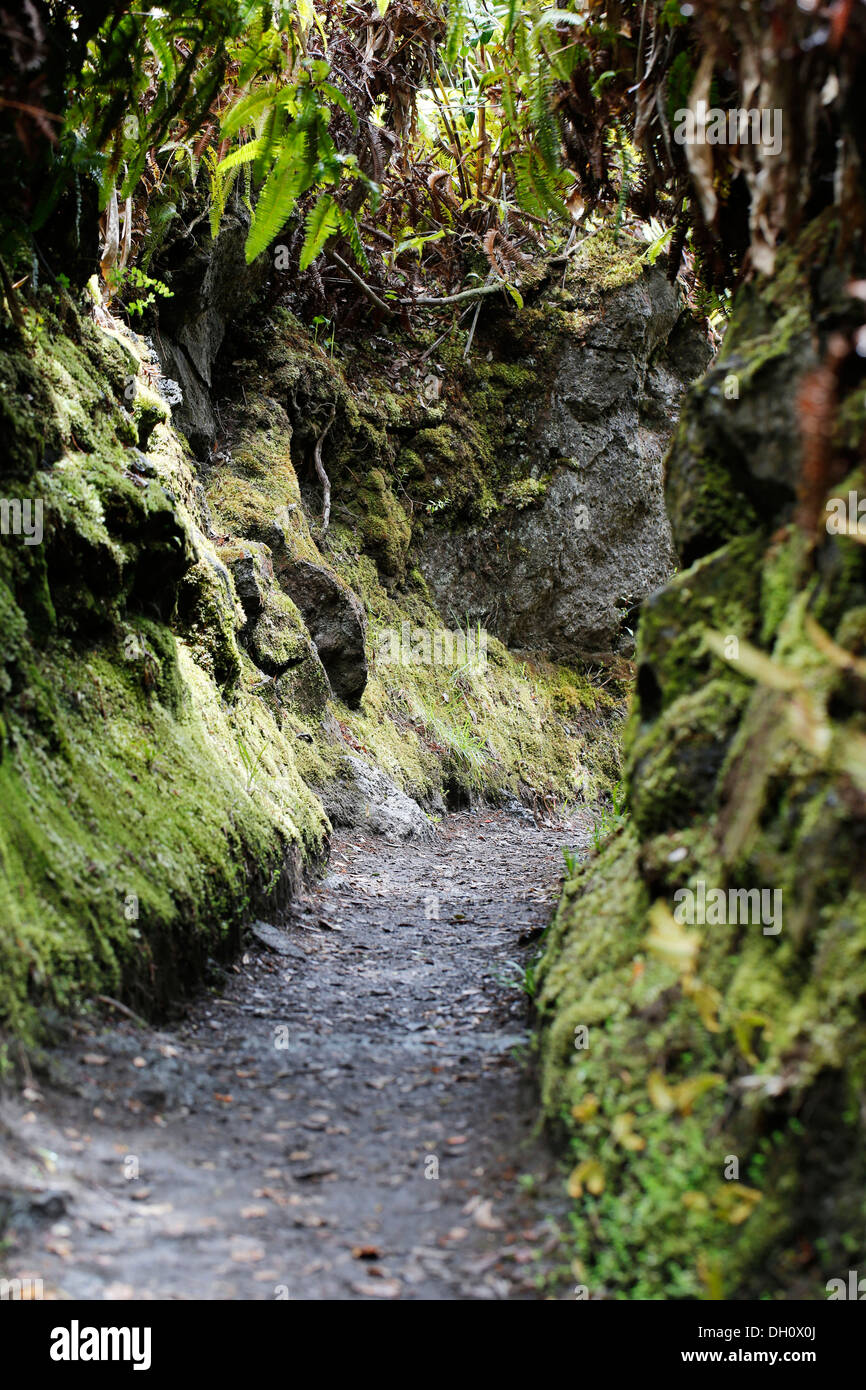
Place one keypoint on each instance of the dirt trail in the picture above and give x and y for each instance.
(283, 1140)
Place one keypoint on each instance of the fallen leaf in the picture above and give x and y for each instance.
(734, 1202)
(667, 940)
(660, 1093)
(586, 1108)
(623, 1133)
(484, 1217)
(589, 1173)
(384, 1288)
(707, 1001)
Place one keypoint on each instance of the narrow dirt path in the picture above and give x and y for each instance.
(350, 1117)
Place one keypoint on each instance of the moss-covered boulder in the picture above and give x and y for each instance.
(253, 492)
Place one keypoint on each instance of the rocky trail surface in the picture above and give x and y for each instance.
(349, 1115)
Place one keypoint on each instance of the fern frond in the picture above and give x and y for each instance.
(220, 187)
(536, 186)
(351, 232)
(627, 178)
(162, 50)
(546, 133)
(458, 15)
(525, 186)
(288, 178)
(321, 222)
(341, 100)
(242, 155)
(511, 15)
(247, 108)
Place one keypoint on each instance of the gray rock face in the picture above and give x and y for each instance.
(366, 798)
(737, 461)
(276, 940)
(566, 572)
(211, 285)
(335, 618)
(275, 635)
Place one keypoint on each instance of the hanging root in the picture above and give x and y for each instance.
(320, 469)
(11, 298)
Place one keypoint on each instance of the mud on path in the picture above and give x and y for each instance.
(284, 1139)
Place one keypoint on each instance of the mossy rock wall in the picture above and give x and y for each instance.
(186, 658)
(150, 802)
(713, 1107)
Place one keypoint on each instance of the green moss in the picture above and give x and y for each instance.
(383, 522)
(450, 469)
(493, 728)
(606, 262)
(523, 493)
(719, 593)
(782, 574)
(724, 1054)
(208, 618)
(148, 410)
(136, 839)
(673, 766)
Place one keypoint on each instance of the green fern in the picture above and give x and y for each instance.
(247, 108)
(536, 186)
(290, 176)
(243, 154)
(541, 111)
(349, 228)
(627, 179)
(321, 222)
(162, 50)
(458, 17)
(220, 184)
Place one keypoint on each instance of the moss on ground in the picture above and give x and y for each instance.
(490, 728)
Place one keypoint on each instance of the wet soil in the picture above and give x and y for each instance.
(348, 1113)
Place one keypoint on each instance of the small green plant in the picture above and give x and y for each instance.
(523, 977)
(121, 280)
(322, 321)
(611, 818)
(659, 238)
(572, 860)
